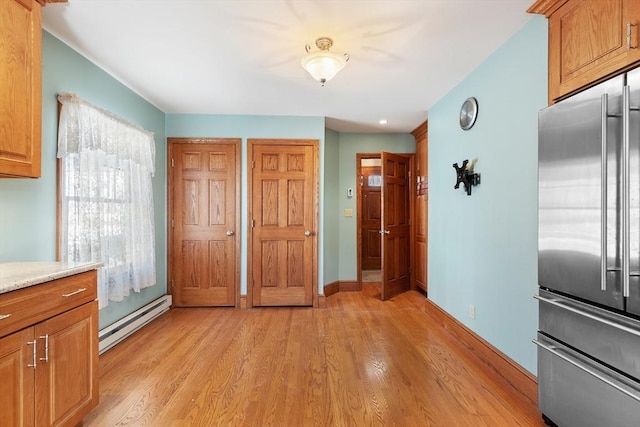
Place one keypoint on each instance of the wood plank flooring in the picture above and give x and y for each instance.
(357, 362)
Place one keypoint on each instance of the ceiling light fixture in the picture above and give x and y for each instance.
(383, 121)
(323, 65)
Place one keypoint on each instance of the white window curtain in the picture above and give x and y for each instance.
(106, 197)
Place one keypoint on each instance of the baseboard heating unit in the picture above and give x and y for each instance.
(116, 332)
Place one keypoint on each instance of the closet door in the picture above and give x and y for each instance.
(204, 217)
(283, 213)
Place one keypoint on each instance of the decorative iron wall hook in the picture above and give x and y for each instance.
(466, 176)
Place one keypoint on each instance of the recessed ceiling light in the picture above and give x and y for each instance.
(383, 122)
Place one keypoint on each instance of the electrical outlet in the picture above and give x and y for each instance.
(348, 213)
(472, 311)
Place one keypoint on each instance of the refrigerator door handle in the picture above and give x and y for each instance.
(588, 315)
(604, 102)
(626, 192)
(556, 352)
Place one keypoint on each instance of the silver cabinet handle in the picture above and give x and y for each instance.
(34, 363)
(46, 347)
(308, 233)
(588, 315)
(629, 25)
(230, 233)
(604, 103)
(5, 316)
(70, 294)
(553, 350)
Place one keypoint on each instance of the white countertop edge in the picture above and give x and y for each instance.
(18, 275)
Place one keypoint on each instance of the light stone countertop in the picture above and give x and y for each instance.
(18, 275)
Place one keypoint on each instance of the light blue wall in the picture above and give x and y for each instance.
(28, 206)
(482, 248)
(350, 144)
(241, 126)
(331, 209)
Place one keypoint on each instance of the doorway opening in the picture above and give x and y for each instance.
(369, 172)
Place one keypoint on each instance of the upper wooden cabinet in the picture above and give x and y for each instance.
(588, 41)
(20, 87)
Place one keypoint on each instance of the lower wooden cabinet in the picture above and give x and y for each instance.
(17, 391)
(49, 370)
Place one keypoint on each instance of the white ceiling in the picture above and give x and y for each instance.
(243, 56)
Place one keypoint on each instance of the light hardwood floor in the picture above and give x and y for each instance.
(357, 362)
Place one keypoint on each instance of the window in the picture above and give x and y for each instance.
(106, 197)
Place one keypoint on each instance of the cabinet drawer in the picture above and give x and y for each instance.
(25, 307)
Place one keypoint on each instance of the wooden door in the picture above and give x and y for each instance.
(396, 223)
(283, 215)
(67, 372)
(204, 249)
(371, 226)
(17, 379)
(421, 207)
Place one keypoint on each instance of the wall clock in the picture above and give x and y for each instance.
(468, 113)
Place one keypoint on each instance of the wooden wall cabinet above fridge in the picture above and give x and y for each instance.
(589, 40)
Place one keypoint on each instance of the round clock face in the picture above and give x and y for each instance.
(468, 113)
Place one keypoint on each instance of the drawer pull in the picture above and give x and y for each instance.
(588, 315)
(4, 316)
(70, 294)
(556, 351)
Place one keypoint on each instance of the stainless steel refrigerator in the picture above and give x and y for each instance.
(589, 257)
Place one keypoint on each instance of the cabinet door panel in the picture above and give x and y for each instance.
(20, 87)
(16, 386)
(588, 41)
(67, 380)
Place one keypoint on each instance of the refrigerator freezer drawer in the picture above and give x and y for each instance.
(574, 391)
(612, 338)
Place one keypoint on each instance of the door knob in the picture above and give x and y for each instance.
(384, 232)
(230, 233)
(308, 233)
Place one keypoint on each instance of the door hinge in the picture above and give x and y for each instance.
(172, 163)
(172, 285)
(253, 223)
(173, 223)
(253, 164)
